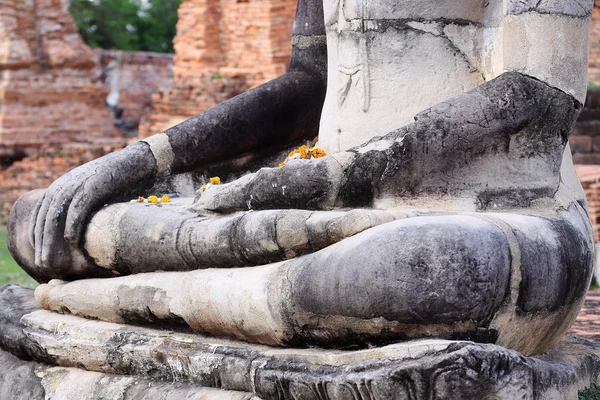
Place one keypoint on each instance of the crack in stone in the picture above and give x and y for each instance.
(560, 7)
(382, 24)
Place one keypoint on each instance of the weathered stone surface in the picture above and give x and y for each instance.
(561, 61)
(343, 293)
(246, 238)
(62, 254)
(571, 8)
(22, 380)
(484, 231)
(14, 303)
(406, 164)
(473, 46)
(411, 370)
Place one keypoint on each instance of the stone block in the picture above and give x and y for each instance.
(592, 100)
(596, 144)
(117, 361)
(581, 144)
(586, 128)
(589, 114)
(586, 158)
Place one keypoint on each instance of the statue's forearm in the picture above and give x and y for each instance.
(518, 121)
(514, 117)
(281, 111)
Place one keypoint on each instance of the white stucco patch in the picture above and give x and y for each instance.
(551, 48)
(163, 153)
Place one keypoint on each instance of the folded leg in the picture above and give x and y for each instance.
(480, 276)
(422, 276)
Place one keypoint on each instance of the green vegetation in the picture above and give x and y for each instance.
(590, 393)
(134, 25)
(10, 272)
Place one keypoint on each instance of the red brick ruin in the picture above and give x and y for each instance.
(222, 48)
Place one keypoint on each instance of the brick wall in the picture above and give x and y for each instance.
(594, 63)
(585, 138)
(51, 91)
(589, 175)
(222, 48)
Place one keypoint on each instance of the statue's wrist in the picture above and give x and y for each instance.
(162, 152)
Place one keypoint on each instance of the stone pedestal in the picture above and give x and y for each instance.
(62, 356)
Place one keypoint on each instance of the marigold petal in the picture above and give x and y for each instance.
(317, 152)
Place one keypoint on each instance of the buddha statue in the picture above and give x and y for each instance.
(447, 205)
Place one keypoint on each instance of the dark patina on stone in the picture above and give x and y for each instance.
(126, 362)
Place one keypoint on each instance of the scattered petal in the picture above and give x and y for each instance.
(317, 152)
(304, 152)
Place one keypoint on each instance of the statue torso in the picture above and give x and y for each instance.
(388, 60)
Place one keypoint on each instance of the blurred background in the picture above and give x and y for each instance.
(81, 78)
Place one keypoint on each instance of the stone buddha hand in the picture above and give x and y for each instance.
(448, 205)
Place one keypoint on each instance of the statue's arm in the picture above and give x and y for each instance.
(280, 111)
(514, 121)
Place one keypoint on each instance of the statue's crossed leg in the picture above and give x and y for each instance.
(454, 276)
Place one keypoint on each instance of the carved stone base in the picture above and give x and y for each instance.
(21, 380)
(72, 357)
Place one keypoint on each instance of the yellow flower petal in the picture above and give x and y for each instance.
(165, 199)
(153, 199)
(301, 152)
(215, 180)
(317, 152)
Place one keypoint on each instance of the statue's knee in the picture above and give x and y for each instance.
(555, 257)
(422, 270)
(17, 236)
